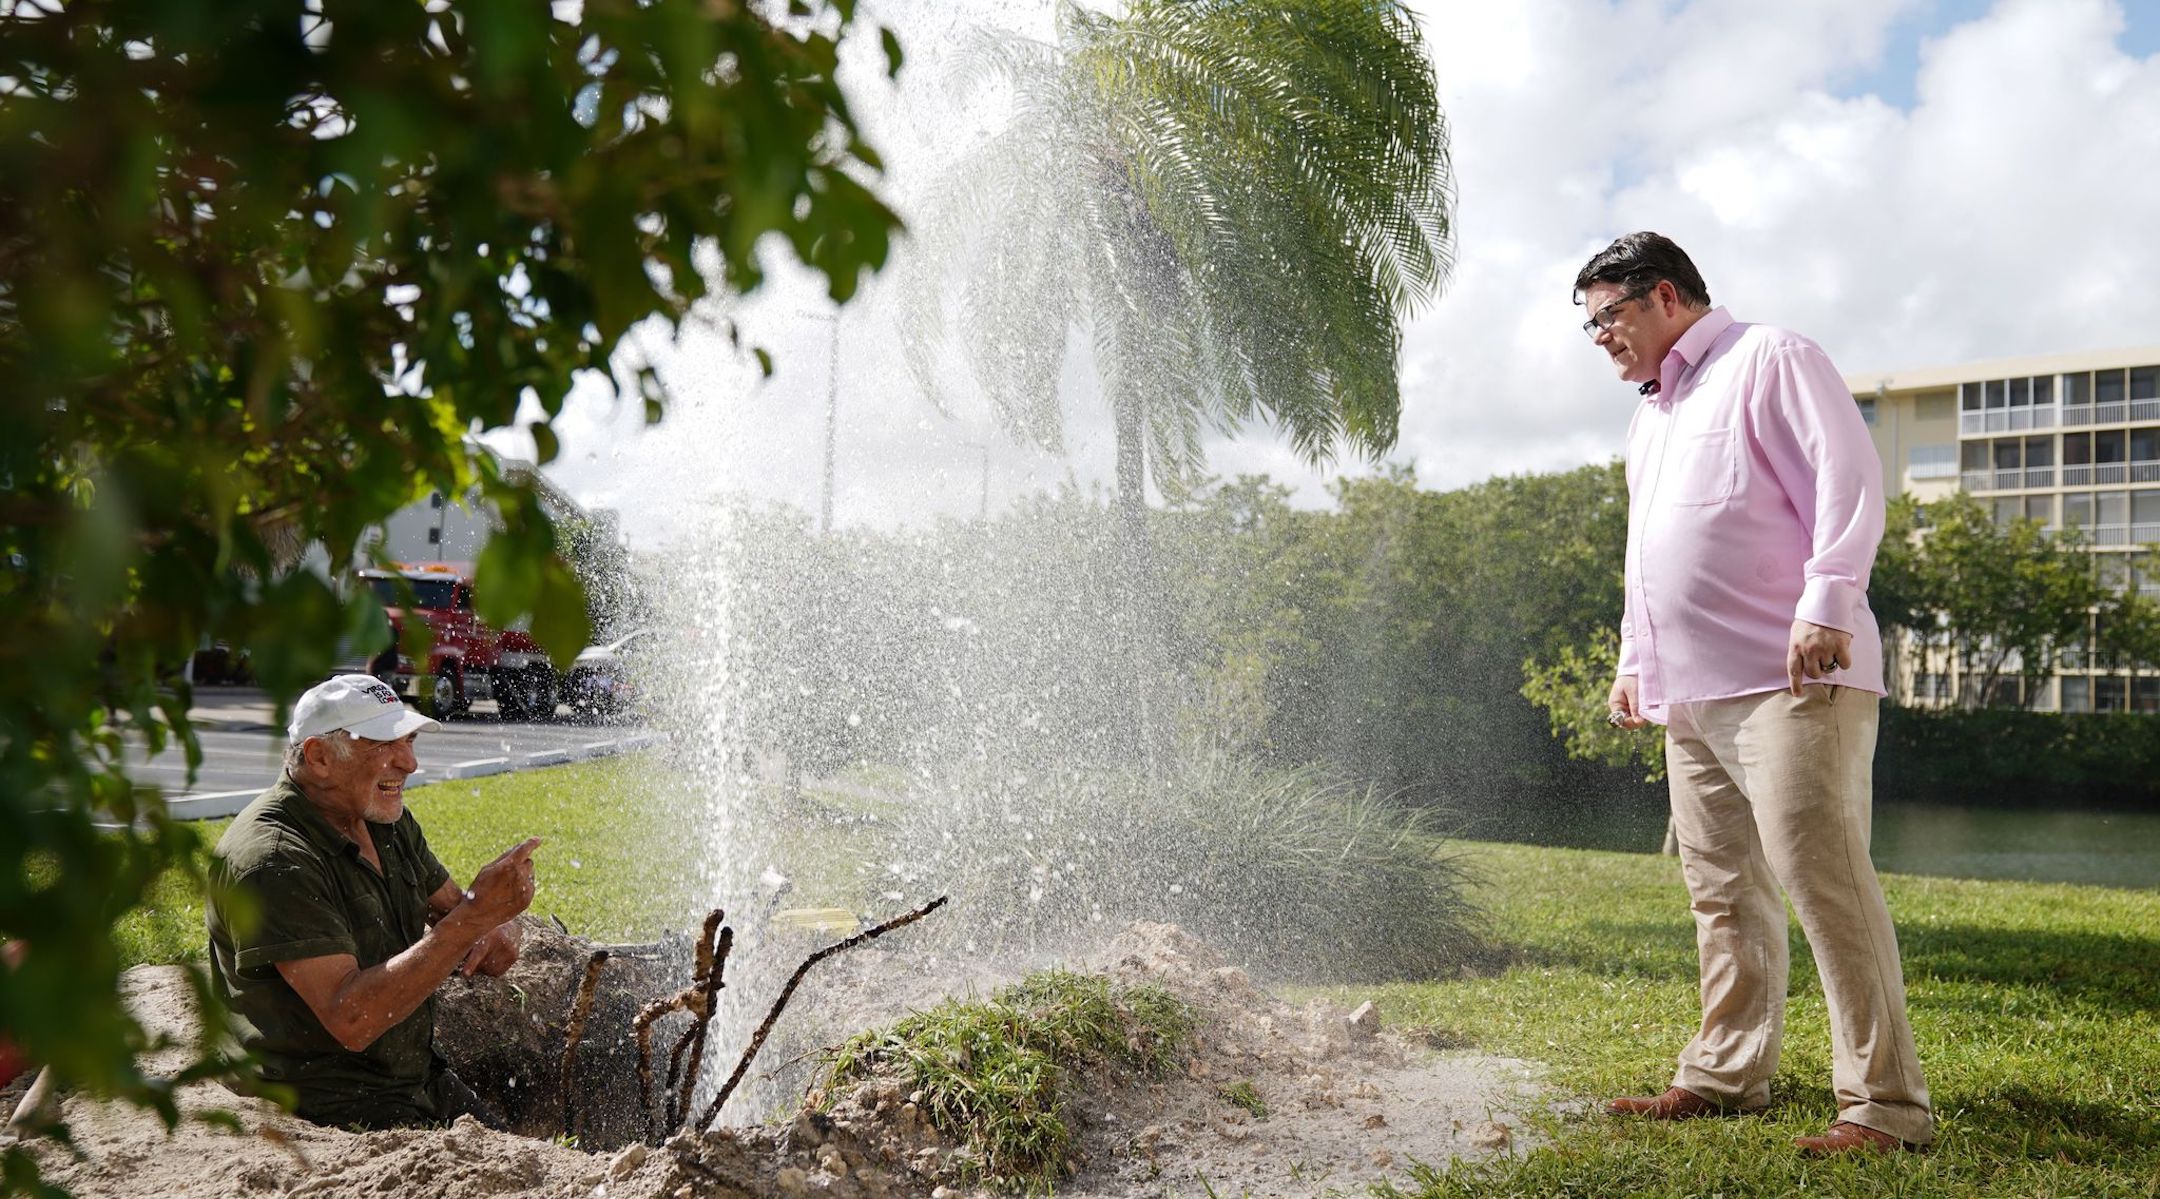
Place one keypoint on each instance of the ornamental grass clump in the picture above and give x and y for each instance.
(1291, 873)
(993, 1073)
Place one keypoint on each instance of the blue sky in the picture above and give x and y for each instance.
(1891, 77)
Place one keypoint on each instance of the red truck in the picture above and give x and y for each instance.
(470, 661)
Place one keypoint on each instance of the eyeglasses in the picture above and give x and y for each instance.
(1602, 320)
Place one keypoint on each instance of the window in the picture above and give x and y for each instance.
(2108, 446)
(464, 599)
(2113, 507)
(2041, 508)
(2111, 693)
(2113, 571)
(2145, 383)
(1934, 462)
(1867, 408)
(2007, 510)
(1997, 394)
(2043, 389)
(2008, 452)
(2040, 451)
(2021, 393)
(2145, 694)
(2077, 449)
(1974, 455)
(2107, 387)
(2144, 445)
(2077, 389)
(427, 593)
(1969, 397)
(2076, 694)
(2077, 509)
(2145, 508)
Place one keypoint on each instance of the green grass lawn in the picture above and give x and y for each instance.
(2036, 1007)
(620, 859)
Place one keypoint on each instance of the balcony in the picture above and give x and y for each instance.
(2147, 533)
(2007, 420)
(2145, 472)
(2114, 413)
(2009, 479)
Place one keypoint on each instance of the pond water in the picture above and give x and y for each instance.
(2113, 849)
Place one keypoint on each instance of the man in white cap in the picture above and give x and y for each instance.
(350, 922)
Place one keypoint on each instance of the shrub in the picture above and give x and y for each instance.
(1295, 874)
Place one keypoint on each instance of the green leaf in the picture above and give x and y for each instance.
(560, 621)
(892, 52)
(506, 580)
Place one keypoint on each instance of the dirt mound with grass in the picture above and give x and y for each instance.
(1163, 1070)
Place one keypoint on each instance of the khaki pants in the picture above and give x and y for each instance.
(1767, 790)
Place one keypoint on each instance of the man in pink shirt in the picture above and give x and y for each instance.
(1755, 505)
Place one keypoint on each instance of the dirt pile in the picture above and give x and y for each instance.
(1271, 1098)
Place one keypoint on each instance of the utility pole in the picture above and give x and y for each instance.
(832, 417)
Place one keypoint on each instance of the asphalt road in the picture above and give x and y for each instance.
(242, 749)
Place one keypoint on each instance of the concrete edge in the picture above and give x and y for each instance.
(227, 803)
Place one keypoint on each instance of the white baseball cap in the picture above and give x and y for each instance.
(360, 704)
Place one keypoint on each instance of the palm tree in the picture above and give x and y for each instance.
(1239, 200)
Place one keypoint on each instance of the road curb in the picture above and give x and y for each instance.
(226, 803)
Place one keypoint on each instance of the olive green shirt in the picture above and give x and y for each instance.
(315, 896)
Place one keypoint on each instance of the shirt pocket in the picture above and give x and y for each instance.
(1705, 466)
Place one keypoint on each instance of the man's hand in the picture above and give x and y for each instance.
(1623, 703)
(495, 953)
(1815, 651)
(504, 887)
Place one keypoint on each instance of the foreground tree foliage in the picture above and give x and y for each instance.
(264, 266)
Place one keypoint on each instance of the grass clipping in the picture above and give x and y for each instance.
(993, 1075)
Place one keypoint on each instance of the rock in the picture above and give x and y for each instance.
(944, 1193)
(1382, 1158)
(1376, 1120)
(792, 1181)
(1231, 979)
(832, 1160)
(809, 1129)
(1492, 1136)
(1364, 1023)
(627, 1162)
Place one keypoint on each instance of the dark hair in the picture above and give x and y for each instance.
(1639, 262)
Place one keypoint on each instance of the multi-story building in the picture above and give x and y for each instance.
(2069, 440)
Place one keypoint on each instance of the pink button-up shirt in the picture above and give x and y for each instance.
(1754, 498)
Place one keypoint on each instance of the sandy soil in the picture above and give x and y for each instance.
(1347, 1103)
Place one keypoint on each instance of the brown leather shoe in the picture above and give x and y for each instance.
(1847, 1137)
(1677, 1103)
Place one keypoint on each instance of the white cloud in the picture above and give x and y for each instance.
(2008, 212)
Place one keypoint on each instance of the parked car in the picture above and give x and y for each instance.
(606, 680)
